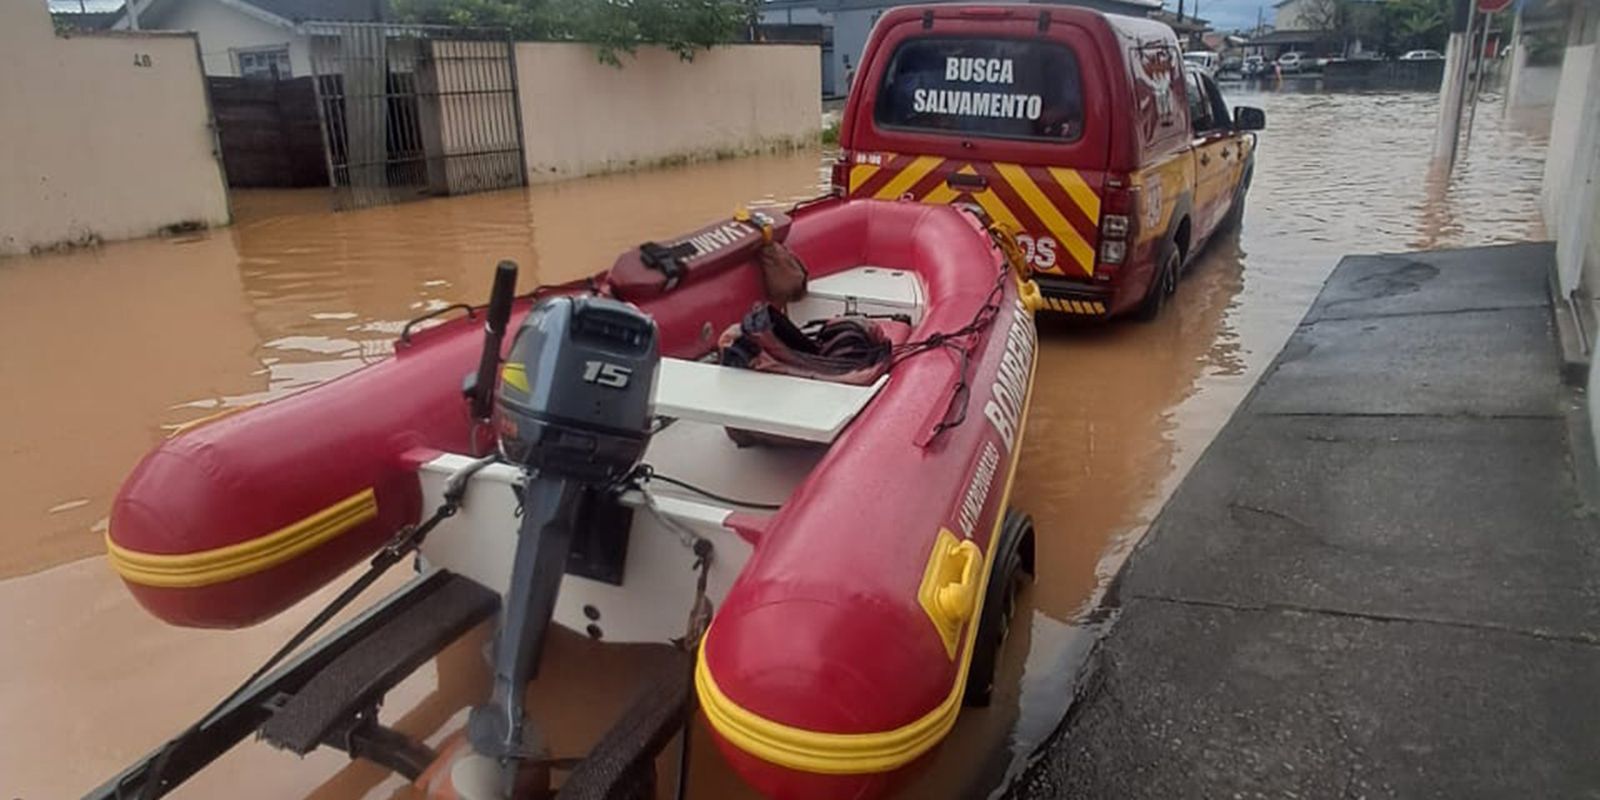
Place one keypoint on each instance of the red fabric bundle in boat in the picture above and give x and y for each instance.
(853, 350)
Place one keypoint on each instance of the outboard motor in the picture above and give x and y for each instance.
(575, 415)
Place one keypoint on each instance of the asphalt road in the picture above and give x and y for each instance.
(1380, 580)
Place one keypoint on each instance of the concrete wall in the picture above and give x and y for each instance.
(1567, 195)
(106, 137)
(581, 117)
(1574, 136)
(227, 30)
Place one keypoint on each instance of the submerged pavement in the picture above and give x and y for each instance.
(1382, 578)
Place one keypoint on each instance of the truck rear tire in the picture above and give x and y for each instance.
(1236, 211)
(1164, 283)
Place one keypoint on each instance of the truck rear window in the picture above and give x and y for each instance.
(1007, 88)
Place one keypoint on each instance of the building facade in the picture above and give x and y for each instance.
(252, 38)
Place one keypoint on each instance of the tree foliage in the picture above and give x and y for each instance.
(1391, 26)
(613, 26)
(1417, 24)
(1324, 15)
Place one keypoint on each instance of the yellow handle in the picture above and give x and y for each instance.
(759, 221)
(1031, 296)
(957, 599)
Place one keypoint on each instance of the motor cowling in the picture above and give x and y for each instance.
(575, 392)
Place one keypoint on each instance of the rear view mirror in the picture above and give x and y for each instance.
(1246, 118)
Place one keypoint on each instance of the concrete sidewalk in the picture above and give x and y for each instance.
(1381, 579)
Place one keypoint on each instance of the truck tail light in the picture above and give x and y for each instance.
(1119, 215)
(839, 176)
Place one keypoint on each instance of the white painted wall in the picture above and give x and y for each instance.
(1572, 140)
(225, 30)
(105, 136)
(581, 117)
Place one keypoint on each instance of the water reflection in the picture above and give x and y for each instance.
(100, 350)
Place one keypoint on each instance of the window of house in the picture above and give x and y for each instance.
(270, 64)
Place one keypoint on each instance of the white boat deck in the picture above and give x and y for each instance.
(782, 405)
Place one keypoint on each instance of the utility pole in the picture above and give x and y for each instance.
(1477, 81)
(1180, 10)
(1452, 90)
(131, 7)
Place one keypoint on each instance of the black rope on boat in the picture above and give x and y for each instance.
(644, 473)
(404, 541)
(963, 340)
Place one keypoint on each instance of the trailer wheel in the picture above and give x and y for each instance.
(1013, 564)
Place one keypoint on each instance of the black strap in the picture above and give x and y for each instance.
(669, 261)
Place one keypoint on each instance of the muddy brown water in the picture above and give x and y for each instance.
(103, 350)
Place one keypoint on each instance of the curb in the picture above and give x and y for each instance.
(1570, 336)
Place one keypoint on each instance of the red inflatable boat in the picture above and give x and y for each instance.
(863, 543)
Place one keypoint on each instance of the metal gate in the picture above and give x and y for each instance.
(413, 111)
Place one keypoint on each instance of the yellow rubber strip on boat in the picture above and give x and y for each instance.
(207, 567)
(178, 430)
(855, 753)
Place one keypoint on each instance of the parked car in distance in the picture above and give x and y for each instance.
(1422, 55)
(1204, 59)
(1085, 134)
(1254, 65)
(1289, 62)
(1232, 67)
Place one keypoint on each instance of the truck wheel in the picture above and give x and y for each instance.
(1236, 211)
(1013, 564)
(1164, 283)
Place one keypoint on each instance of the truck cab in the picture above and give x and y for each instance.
(1082, 133)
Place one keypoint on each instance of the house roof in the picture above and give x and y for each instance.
(287, 13)
(323, 10)
(86, 21)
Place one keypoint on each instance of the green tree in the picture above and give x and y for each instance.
(1417, 24)
(613, 26)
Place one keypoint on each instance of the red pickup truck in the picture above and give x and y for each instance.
(1082, 132)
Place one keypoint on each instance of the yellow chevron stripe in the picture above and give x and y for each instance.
(859, 175)
(991, 204)
(908, 177)
(1076, 188)
(941, 195)
(1047, 213)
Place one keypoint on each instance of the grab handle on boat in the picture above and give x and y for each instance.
(405, 333)
(957, 599)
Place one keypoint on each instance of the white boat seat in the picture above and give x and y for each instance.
(879, 291)
(781, 405)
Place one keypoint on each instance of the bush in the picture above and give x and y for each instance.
(613, 26)
(830, 133)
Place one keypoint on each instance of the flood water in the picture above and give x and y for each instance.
(103, 350)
